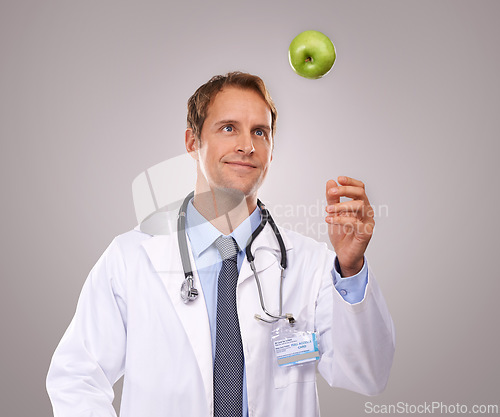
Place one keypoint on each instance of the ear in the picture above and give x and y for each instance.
(191, 143)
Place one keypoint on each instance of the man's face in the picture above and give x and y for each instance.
(236, 143)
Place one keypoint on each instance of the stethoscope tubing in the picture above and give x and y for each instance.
(190, 293)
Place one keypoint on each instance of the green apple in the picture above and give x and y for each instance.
(311, 54)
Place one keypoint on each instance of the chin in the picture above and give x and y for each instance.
(238, 191)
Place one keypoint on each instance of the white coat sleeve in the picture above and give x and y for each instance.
(356, 340)
(91, 355)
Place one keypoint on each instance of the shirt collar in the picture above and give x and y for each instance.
(202, 233)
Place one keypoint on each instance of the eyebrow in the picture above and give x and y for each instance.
(226, 122)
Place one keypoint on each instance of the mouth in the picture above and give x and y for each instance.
(241, 164)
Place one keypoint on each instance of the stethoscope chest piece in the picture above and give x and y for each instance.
(188, 292)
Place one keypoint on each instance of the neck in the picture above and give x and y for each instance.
(225, 209)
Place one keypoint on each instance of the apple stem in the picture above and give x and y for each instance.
(309, 59)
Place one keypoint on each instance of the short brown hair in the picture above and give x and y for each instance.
(199, 102)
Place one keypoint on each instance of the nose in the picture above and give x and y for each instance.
(244, 144)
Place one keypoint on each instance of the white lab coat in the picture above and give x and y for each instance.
(131, 320)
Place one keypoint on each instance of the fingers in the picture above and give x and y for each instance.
(355, 214)
(349, 187)
(356, 193)
(352, 224)
(355, 207)
(331, 196)
(350, 181)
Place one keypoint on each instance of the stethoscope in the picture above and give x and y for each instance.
(190, 293)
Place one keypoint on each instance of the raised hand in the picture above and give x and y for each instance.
(351, 222)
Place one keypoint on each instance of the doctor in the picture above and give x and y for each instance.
(211, 356)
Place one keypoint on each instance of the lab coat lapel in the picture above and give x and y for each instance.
(163, 251)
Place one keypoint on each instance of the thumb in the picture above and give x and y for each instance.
(331, 199)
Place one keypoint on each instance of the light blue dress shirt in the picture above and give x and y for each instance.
(202, 235)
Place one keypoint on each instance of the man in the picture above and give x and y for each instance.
(210, 356)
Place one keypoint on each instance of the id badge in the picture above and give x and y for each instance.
(293, 347)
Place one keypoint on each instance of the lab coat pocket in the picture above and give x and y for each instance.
(287, 375)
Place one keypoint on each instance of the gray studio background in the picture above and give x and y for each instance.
(92, 93)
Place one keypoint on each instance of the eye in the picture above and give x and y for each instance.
(227, 128)
(260, 132)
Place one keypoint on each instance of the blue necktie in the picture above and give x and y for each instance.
(228, 365)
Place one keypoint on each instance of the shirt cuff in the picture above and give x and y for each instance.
(352, 289)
